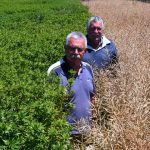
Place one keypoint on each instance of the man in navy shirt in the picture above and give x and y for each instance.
(83, 86)
(101, 52)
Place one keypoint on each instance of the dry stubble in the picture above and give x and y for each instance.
(123, 103)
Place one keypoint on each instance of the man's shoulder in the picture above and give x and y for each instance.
(88, 67)
(112, 46)
(55, 66)
(86, 64)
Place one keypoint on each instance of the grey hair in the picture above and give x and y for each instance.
(76, 35)
(95, 19)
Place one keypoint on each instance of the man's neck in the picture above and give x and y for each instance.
(96, 44)
(74, 65)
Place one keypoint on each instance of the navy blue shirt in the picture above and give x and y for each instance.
(103, 56)
(82, 87)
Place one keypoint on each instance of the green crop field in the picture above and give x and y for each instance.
(32, 36)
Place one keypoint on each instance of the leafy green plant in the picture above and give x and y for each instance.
(32, 36)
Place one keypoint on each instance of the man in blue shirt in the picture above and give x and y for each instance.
(101, 52)
(83, 86)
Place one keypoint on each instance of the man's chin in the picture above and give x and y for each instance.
(75, 59)
(97, 38)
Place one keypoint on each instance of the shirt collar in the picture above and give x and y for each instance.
(104, 40)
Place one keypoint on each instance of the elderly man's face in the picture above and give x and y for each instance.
(75, 50)
(95, 31)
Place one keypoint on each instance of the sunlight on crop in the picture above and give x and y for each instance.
(123, 103)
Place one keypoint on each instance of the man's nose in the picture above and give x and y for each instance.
(76, 51)
(96, 30)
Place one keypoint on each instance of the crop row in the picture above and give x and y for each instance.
(32, 36)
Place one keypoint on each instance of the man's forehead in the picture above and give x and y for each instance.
(96, 24)
(76, 40)
(79, 42)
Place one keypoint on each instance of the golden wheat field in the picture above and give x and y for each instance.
(123, 102)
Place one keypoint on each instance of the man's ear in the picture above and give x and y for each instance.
(65, 47)
(85, 50)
